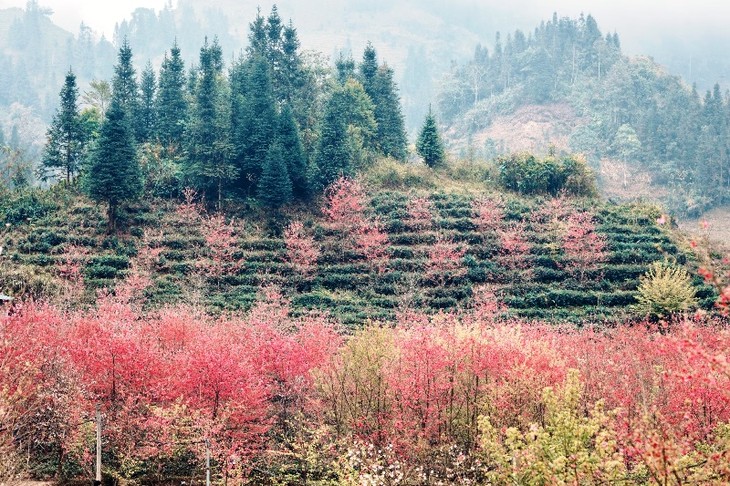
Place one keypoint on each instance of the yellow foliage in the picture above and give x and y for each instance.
(665, 290)
(570, 447)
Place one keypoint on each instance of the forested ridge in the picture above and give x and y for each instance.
(270, 126)
(627, 108)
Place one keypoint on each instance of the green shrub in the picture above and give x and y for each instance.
(665, 290)
(118, 262)
(526, 174)
(97, 272)
(391, 174)
(21, 206)
(443, 303)
(458, 224)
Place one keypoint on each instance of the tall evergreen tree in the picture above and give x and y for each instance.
(275, 187)
(209, 145)
(345, 67)
(292, 75)
(369, 70)
(146, 119)
(254, 128)
(334, 154)
(274, 28)
(429, 144)
(391, 135)
(172, 108)
(124, 83)
(257, 38)
(114, 175)
(293, 152)
(66, 142)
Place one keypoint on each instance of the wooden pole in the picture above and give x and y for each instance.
(97, 481)
(207, 463)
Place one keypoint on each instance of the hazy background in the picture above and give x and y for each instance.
(420, 39)
(671, 30)
(691, 38)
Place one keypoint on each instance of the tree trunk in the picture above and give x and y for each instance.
(111, 215)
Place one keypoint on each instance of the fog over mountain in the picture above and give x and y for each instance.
(688, 37)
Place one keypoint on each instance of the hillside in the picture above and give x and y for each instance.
(515, 249)
(569, 86)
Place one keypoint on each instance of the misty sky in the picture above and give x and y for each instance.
(638, 21)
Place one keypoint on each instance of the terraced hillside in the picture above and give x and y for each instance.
(552, 259)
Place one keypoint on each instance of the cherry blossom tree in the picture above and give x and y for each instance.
(420, 213)
(372, 241)
(584, 247)
(445, 260)
(301, 249)
(221, 243)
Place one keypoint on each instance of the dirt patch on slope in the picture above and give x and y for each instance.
(626, 182)
(714, 224)
(532, 128)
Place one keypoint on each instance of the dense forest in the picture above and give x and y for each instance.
(271, 126)
(627, 109)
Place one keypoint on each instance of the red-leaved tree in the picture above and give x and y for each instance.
(372, 241)
(221, 244)
(301, 249)
(445, 260)
(514, 247)
(344, 203)
(584, 247)
(420, 213)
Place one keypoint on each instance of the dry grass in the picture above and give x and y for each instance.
(714, 224)
(531, 128)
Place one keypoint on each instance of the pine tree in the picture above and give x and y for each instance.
(275, 188)
(274, 28)
(292, 75)
(113, 175)
(209, 145)
(345, 67)
(257, 37)
(66, 142)
(172, 108)
(124, 84)
(146, 119)
(368, 71)
(293, 151)
(429, 144)
(334, 155)
(254, 128)
(388, 116)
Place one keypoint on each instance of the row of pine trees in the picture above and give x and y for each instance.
(272, 126)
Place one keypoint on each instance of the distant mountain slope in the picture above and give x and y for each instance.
(616, 108)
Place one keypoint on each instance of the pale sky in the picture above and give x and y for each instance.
(640, 22)
(100, 15)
